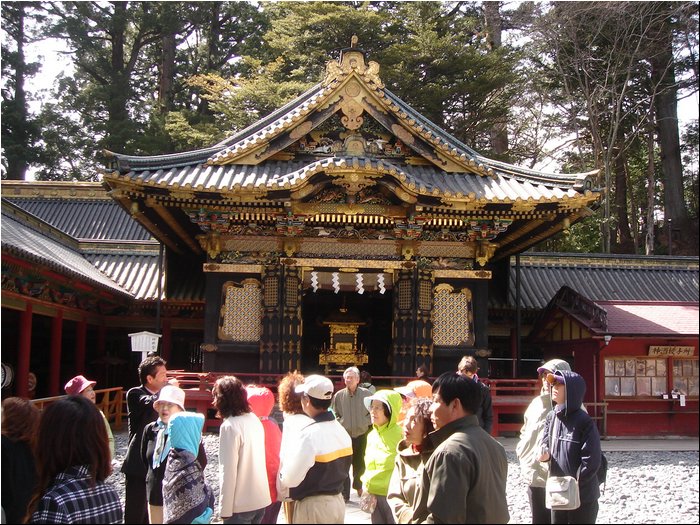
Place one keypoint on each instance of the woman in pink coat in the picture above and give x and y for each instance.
(262, 400)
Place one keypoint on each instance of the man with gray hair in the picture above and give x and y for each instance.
(349, 409)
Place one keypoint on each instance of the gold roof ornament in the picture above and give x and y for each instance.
(352, 60)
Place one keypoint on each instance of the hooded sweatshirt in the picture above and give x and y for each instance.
(262, 400)
(381, 445)
(572, 438)
(533, 471)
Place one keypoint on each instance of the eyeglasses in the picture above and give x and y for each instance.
(551, 379)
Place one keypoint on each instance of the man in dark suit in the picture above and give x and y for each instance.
(139, 403)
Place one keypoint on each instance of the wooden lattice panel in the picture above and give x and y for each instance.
(425, 294)
(461, 250)
(241, 311)
(250, 245)
(452, 317)
(271, 291)
(292, 282)
(349, 249)
(405, 302)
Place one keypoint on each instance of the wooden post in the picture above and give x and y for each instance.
(24, 352)
(80, 346)
(167, 340)
(55, 353)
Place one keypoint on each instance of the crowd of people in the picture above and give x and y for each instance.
(419, 453)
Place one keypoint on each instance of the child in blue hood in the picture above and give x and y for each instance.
(186, 496)
(571, 444)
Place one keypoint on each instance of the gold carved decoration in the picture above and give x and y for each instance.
(524, 205)
(355, 145)
(353, 89)
(402, 134)
(208, 347)
(352, 60)
(352, 112)
(407, 251)
(210, 243)
(301, 130)
(353, 181)
(290, 247)
(484, 251)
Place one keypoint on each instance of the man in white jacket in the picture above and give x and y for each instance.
(318, 460)
(527, 450)
(244, 491)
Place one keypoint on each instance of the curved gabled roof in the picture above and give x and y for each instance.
(319, 140)
(426, 180)
(309, 110)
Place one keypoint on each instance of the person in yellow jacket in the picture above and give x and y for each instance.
(384, 407)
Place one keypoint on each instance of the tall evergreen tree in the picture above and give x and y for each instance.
(19, 129)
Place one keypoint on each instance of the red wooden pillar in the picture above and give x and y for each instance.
(166, 340)
(81, 336)
(55, 354)
(24, 352)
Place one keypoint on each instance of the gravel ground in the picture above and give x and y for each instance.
(642, 487)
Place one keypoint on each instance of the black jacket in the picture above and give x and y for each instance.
(19, 478)
(573, 440)
(485, 410)
(139, 402)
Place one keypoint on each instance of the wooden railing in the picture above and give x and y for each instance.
(109, 400)
(509, 396)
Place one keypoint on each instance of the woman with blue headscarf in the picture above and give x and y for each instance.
(186, 496)
(155, 445)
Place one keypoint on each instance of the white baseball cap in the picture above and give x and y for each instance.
(316, 386)
(171, 394)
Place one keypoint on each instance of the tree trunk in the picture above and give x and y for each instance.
(117, 114)
(649, 240)
(623, 242)
(494, 30)
(16, 157)
(663, 75)
(167, 72)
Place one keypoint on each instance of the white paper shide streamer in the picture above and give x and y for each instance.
(380, 283)
(314, 281)
(336, 282)
(360, 287)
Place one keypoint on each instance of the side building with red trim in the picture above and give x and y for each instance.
(639, 359)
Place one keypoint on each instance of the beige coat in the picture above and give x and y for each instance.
(242, 472)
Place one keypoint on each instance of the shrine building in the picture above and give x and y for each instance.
(344, 228)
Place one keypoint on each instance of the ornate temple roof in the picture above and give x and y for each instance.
(343, 145)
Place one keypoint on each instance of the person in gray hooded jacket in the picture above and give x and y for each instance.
(527, 450)
(571, 444)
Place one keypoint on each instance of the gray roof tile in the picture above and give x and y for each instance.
(601, 277)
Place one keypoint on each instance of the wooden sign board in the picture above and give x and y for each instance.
(677, 351)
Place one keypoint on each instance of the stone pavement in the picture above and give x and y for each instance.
(353, 514)
(614, 444)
